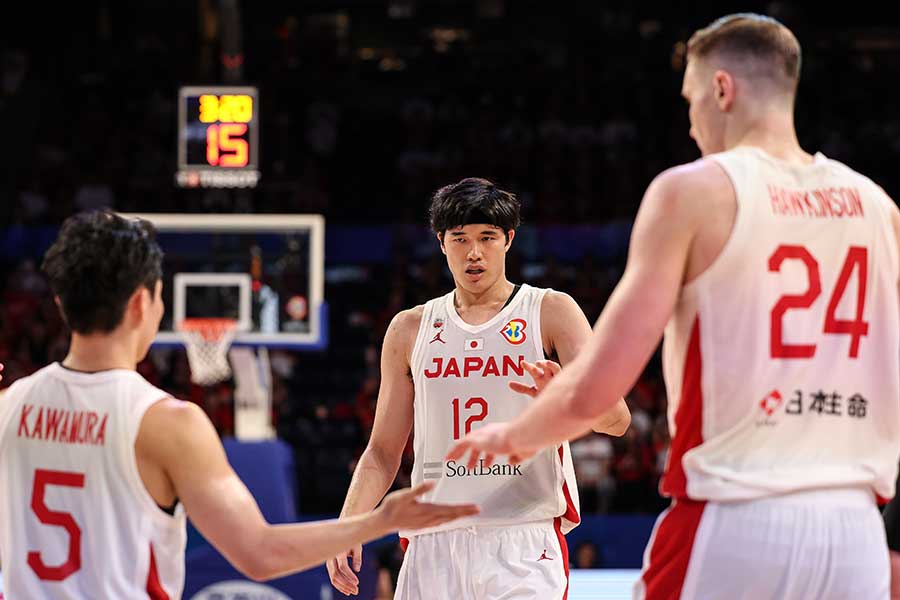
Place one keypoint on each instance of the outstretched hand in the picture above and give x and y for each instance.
(541, 372)
(489, 441)
(403, 510)
(343, 578)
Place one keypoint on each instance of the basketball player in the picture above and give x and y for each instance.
(98, 468)
(777, 273)
(445, 368)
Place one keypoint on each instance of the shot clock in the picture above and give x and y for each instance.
(218, 130)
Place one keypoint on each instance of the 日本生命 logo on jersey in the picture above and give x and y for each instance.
(514, 331)
(770, 403)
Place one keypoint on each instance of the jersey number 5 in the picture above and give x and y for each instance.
(857, 259)
(43, 478)
(471, 402)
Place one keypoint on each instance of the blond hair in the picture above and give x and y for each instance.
(759, 45)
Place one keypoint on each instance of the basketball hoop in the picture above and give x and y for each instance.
(207, 342)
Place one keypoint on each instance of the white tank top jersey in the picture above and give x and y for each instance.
(76, 521)
(461, 374)
(781, 360)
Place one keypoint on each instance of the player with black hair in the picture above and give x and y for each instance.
(95, 457)
(446, 368)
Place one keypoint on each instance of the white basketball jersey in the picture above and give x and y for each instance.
(461, 374)
(781, 360)
(76, 521)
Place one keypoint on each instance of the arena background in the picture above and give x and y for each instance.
(365, 108)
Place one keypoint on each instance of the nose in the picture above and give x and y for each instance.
(475, 252)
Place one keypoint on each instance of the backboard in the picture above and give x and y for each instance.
(264, 271)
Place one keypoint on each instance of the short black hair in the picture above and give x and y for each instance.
(96, 263)
(473, 200)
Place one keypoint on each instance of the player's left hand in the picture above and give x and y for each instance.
(541, 372)
(489, 440)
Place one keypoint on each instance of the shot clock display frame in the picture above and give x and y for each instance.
(218, 136)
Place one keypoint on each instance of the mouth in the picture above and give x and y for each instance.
(474, 273)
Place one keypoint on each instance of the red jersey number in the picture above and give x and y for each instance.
(43, 478)
(857, 259)
(471, 404)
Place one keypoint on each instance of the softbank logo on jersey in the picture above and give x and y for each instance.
(514, 331)
(457, 470)
(62, 426)
(239, 590)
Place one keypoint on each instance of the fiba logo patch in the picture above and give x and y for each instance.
(239, 590)
(514, 331)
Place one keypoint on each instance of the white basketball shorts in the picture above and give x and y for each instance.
(822, 545)
(518, 562)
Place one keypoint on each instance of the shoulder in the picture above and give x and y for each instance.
(406, 323)
(171, 426)
(401, 334)
(171, 414)
(684, 185)
(556, 302)
(680, 200)
(562, 317)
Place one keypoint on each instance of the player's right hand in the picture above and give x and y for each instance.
(402, 509)
(343, 578)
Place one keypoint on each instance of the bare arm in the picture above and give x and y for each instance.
(380, 461)
(378, 465)
(629, 329)
(179, 437)
(568, 332)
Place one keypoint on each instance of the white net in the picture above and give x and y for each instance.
(207, 342)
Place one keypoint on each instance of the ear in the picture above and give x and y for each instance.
(509, 238)
(440, 237)
(138, 304)
(724, 89)
(59, 307)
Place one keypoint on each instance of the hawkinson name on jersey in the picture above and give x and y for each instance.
(834, 202)
(62, 426)
(475, 366)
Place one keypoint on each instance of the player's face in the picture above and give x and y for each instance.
(707, 120)
(476, 255)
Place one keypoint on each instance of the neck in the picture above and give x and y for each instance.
(497, 293)
(100, 352)
(772, 131)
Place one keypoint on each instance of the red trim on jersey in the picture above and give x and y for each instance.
(670, 550)
(154, 587)
(404, 543)
(571, 513)
(688, 419)
(564, 549)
